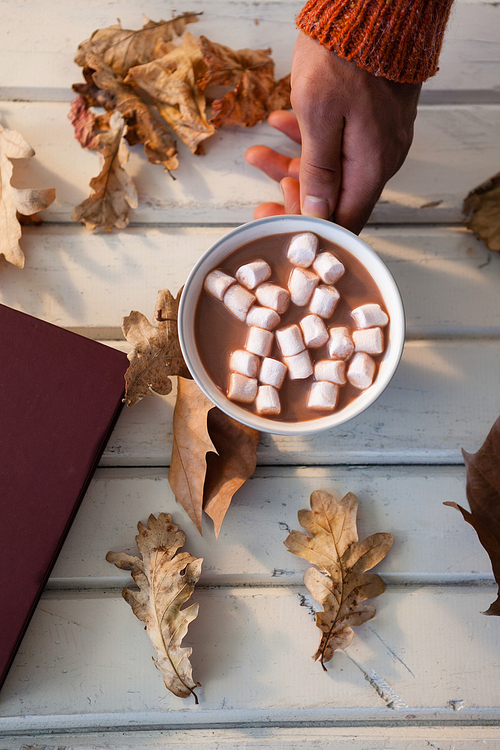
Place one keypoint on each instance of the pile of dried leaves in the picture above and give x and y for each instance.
(212, 455)
(159, 79)
(482, 209)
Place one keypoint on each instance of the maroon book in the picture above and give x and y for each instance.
(60, 396)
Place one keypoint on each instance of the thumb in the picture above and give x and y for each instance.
(320, 169)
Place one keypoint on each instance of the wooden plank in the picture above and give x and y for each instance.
(87, 282)
(437, 403)
(453, 151)
(247, 738)
(432, 544)
(85, 662)
(37, 62)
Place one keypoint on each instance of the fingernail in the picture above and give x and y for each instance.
(316, 207)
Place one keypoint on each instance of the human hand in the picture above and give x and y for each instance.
(355, 129)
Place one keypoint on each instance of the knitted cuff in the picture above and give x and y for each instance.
(397, 39)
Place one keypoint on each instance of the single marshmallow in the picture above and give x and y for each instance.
(244, 362)
(242, 388)
(323, 395)
(268, 400)
(259, 341)
(367, 316)
(302, 249)
(328, 267)
(273, 296)
(361, 370)
(369, 340)
(332, 370)
(272, 372)
(314, 331)
(217, 283)
(290, 340)
(263, 317)
(299, 366)
(253, 273)
(238, 301)
(324, 301)
(340, 343)
(301, 285)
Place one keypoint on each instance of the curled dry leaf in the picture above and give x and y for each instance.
(483, 494)
(212, 455)
(482, 207)
(113, 191)
(15, 200)
(156, 353)
(339, 581)
(255, 91)
(166, 579)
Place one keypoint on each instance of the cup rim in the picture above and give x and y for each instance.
(285, 224)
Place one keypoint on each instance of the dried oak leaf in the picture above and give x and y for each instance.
(171, 82)
(122, 49)
(483, 494)
(166, 579)
(482, 206)
(339, 581)
(212, 455)
(113, 191)
(251, 72)
(144, 122)
(156, 352)
(16, 200)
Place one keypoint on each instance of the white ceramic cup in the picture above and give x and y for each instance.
(282, 225)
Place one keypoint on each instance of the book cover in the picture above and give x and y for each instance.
(60, 396)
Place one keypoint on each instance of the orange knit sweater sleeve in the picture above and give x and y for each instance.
(397, 39)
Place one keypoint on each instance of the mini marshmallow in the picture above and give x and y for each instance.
(242, 388)
(361, 370)
(367, 316)
(217, 283)
(340, 343)
(263, 317)
(290, 340)
(332, 370)
(328, 267)
(301, 285)
(314, 331)
(369, 340)
(268, 400)
(244, 362)
(238, 301)
(253, 273)
(272, 372)
(324, 301)
(273, 296)
(302, 249)
(323, 395)
(299, 366)
(259, 341)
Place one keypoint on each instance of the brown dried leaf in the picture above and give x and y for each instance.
(339, 581)
(191, 443)
(171, 82)
(483, 494)
(156, 352)
(234, 463)
(251, 72)
(113, 191)
(122, 49)
(143, 120)
(482, 206)
(13, 200)
(166, 579)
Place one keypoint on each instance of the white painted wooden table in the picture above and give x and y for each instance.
(425, 672)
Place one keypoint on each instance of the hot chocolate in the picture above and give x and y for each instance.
(291, 326)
